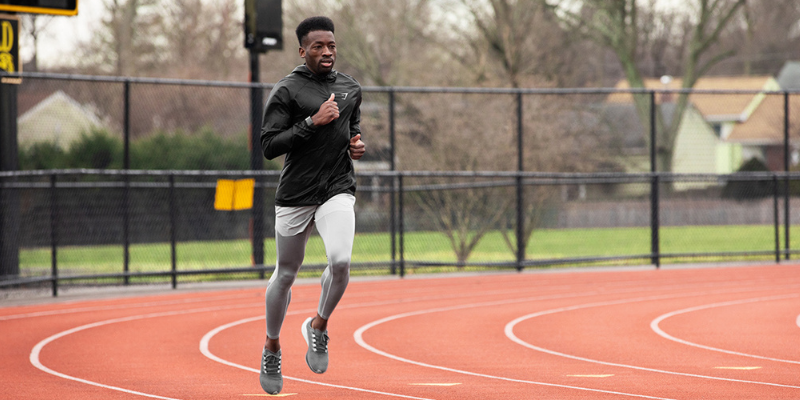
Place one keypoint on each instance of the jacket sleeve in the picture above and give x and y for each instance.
(355, 118)
(278, 132)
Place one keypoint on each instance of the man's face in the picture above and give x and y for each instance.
(319, 51)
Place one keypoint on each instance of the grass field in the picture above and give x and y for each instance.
(419, 246)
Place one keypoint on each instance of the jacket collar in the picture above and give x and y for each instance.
(303, 70)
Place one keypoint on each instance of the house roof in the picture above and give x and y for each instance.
(766, 123)
(713, 107)
(57, 118)
(60, 97)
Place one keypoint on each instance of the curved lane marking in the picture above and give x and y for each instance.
(65, 311)
(359, 338)
(37, 349)
(611, 289)
(206, 352)
(654, 325)
(509, 330)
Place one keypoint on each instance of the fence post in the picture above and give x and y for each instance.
(172, 231)
(786, 164)
(392, 204)
(54, 233)
(401, 225)
(775, 194)
(126, 164)
(655, 258)
(521, 245)
(10, 219)
(257, 163)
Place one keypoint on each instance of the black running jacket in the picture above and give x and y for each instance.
(317, 164)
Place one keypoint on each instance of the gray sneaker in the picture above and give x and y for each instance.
(270, 377)
(317, 341)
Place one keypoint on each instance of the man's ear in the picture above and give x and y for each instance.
(302, 52)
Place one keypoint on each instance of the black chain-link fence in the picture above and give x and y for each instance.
(571, 177)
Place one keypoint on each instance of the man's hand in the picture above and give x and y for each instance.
(357, 147)
(328, 112)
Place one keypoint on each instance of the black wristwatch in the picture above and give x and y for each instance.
(309, 122)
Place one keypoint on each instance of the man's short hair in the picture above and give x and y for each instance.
(313, 24)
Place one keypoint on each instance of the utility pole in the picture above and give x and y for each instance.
(9, 153)
(263, 25)
(256, 160)
(10, 67)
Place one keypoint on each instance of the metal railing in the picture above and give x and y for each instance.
(169, 195)
(399, 196)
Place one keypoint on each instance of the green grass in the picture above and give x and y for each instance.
(419, 246)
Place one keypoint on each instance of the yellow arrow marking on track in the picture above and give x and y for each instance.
(739, 368)
(434, 384)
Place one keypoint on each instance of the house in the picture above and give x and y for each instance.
(789, 76)
(56, 118)
(709, 135)
(696, 139)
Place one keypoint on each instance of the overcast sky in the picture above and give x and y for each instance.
(63, 33)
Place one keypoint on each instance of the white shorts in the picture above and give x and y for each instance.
(290, 221)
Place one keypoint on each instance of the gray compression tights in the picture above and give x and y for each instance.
(337, 230)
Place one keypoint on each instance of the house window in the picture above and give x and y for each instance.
(717, 127)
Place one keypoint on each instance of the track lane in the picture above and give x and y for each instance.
(167, 345)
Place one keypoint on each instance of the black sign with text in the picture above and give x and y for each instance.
(52, 7)
(9, 48)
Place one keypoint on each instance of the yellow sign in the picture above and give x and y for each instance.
(234, 195)
(9, 48)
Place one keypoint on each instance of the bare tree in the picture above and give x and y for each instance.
(203, 38)
(515, 41)
(617, 24)
(125, 43)
(767, 34)
(450, 132)
(33, 26)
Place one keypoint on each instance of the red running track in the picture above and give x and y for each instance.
(674, 333)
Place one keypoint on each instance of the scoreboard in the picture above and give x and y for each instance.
(52, 7)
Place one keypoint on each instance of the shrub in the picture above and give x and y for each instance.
(42, 155)
(749, 190)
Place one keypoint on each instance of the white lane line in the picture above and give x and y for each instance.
(37, 349)
(206, 352)
(35, 356)
(654, 325)
(509, 330)
(611, 287)
(798, 321)
(359, 338)
(118, 307)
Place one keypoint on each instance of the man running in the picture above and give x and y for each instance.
(312, 116)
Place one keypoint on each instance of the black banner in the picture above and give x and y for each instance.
(52, 7)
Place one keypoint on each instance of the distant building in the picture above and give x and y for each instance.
(719, 132)
(56, 118)
(789, 77)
